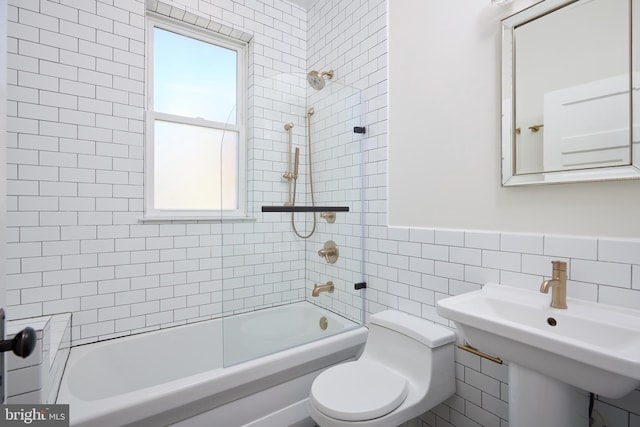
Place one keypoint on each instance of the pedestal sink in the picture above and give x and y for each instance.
(567, 353)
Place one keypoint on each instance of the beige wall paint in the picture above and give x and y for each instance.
(444, 140)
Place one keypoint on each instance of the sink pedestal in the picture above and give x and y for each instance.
(537, 400)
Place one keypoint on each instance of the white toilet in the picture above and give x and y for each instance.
(407, 368)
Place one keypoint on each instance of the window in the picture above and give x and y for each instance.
(195, 132)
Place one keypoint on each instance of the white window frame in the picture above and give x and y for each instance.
(151, 213)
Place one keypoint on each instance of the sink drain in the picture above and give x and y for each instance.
(551, 321)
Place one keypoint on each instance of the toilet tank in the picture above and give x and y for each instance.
(411, 345)
(421, 330)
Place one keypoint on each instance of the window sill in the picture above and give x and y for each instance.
(194, 219)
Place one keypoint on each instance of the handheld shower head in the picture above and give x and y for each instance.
(296, 163)
(288, 126)
(316, 78)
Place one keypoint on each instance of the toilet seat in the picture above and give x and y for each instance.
(358, 391)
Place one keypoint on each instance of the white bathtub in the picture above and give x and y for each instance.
(176, 375)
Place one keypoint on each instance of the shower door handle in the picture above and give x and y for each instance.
(22, 344)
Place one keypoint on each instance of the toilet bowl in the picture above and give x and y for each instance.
(407, 368)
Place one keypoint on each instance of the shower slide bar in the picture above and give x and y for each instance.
(290, 175)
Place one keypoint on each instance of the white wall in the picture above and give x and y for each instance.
(445, 139)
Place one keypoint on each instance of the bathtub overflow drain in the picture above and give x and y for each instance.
(551, 321)
(323, 323)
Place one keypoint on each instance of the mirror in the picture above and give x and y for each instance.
(567, 73)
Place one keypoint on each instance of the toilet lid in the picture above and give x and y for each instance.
(358, 391)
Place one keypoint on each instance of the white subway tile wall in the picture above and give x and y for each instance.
(75, 187)
(75, 167)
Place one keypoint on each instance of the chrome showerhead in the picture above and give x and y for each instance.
(316, 78)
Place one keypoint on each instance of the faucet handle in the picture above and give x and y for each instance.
(329, 252)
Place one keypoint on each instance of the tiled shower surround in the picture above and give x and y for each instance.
(75, 192)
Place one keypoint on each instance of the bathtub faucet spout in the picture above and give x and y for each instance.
(328, 287)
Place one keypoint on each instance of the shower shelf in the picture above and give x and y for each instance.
(305, 209)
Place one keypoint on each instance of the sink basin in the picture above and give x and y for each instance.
(595, 347)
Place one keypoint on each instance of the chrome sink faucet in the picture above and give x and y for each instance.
(558, 285)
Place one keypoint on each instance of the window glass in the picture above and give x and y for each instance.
(195, 167)
(192, 78)
(195, 146)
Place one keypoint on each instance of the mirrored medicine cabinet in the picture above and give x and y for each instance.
(570, 92)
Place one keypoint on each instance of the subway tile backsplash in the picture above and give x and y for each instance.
(444, 268)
